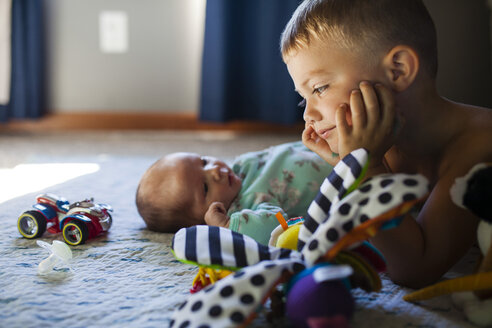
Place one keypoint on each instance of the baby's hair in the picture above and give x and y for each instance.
(159, 215)
(162, 218)
(366, 27)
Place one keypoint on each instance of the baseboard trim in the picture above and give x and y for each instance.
(139, 121)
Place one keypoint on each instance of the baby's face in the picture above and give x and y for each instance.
(324, 75)
(201, 180)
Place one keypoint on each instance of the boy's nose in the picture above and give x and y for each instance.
(311, 114)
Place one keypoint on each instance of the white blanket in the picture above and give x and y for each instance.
(129, 277)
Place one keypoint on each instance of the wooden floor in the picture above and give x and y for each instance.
(138, 121)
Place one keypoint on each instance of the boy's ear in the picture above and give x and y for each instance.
(402, 65)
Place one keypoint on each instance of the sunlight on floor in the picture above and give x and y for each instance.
(27, 178)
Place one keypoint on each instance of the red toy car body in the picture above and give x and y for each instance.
(78, 221)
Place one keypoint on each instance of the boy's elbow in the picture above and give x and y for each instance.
(415, 279)
(411, 282)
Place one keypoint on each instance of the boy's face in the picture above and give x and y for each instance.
(201, 180)
(324, 75)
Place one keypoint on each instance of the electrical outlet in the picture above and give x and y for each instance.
(113, 31)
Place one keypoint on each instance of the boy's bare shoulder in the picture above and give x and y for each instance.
(473, 144)
(476, 138)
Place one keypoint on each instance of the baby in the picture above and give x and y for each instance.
(184, 189)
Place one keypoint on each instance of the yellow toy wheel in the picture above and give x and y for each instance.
(75, 233)
(31, 224)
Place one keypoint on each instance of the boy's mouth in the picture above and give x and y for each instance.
(325, 133)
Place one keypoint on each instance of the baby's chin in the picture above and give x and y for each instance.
(233, 199)
(236, 184)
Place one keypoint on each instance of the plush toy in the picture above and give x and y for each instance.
(307, 303)
(472, 293)
(330, 259)
(365, 259)
(207, 276)
(320, 293)
(286, 234)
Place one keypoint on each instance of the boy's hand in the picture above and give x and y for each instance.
(216, 215)
(373, 122)
(312, 141)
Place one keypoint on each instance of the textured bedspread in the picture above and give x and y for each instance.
(129, 277)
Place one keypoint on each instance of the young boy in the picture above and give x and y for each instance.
(366, 71)
(184, 189)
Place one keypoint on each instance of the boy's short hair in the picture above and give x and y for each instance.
(365, 26)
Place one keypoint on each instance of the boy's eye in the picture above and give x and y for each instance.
(205, 188)
(320, 89)
(302, 103)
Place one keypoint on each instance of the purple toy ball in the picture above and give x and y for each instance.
(329, 301)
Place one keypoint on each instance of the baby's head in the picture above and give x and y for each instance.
(366, 28)
(176, 191)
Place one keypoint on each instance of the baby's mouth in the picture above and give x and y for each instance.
(231, 176)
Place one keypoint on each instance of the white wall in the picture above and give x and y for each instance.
(160, 72)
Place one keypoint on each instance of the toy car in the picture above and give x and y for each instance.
(77, 222)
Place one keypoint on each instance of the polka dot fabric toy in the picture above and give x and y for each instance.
(363, 212)
(231, 301)
(341, 217)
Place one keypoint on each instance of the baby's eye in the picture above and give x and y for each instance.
(320, 90)
(204, 161)
(302, 103)
(205, 188)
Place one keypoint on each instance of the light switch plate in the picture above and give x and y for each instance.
(113, 31)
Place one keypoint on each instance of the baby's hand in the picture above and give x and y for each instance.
(216, 215)
(373, 122)
(320, 146)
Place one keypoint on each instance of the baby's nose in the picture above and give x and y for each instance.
(219, 172)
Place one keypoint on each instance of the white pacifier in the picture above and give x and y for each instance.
(60, 253)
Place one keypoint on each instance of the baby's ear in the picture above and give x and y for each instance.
(401, 64)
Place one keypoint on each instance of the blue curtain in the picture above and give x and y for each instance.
(26, 88)
(243, 75)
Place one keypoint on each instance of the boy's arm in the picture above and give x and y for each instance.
(420, 250)
(258, 223)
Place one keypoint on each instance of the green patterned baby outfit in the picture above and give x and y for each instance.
(283, 178)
